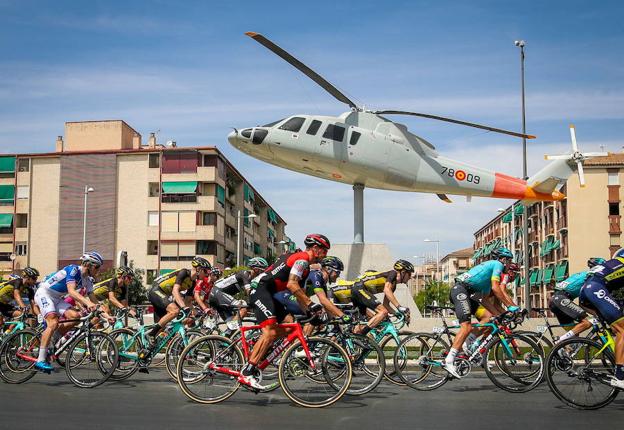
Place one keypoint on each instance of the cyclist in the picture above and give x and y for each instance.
(485, 280)
(596, 295)
(316, 284)
(364, 289)
(562, 302)
(14, 289)
(288, 272)
(113, 291)
(49, 297)
(165, 294)
(222, 295)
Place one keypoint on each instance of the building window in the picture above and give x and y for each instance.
(334, 132)
(150, 275)
(154, 161)
(614, 177)
(154, 189)
(314, 127)
(152, 219)
(206, 247)
(177, 251)
(209, 218)
(293, 124)
(21, 220)
(180, 162)
(614, 240)
(23, 164)
(21, 248)
(614, 208)
(152, 247)
(23, 191)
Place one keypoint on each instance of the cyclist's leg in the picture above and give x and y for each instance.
(365, 300)
(567, 312)
(460, 298)
(165, 309)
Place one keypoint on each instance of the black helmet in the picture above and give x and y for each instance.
(404, 265)
(595, 261)
(216, 271)
(124, 271)
(201, 263)
(317, 239)
(30, 272)
(333, 263)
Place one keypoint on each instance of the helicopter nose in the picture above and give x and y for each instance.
(233, 137)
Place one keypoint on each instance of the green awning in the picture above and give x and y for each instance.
(7, 193)
(7, 164)
(220, 194)
(507, 217)
(165, 271)
(257, 249)
(6, 220)
(185, 187)
(272, 216)
(519, 209)
(539, 276)
(548, 273)
(555, 245)
(248, 193)
(562, 268)
(270, 233)
(533, 277)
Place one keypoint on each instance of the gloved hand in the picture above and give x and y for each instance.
(346, 319)
(403, 310)
(314, 308)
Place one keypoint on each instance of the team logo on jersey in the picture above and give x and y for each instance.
(462, 296)
(460, 175)
(565, 302)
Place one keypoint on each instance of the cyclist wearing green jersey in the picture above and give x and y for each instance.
(484, 279)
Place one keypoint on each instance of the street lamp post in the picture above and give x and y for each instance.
(437, 242)
(239, 219)
(87, 190)
(525, 218)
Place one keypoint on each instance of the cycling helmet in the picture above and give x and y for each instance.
(502, 252)
(403, 265)
(14, 276)
(317, 239)
(333, 263)
(30, 272)
(258, 263)
(124, 271)
(619, 253)
(216, 271)
(595, 261)
(92, 257)
(201, 263)
(513, 267)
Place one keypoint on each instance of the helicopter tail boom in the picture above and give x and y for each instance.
(544, 185)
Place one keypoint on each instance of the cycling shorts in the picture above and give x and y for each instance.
(363, 299)
(160, 301)
(289, 301)
(266, 308)
(465, 305)
(6, 310)
(596, 296)
(566, 311)
(50, 303)
(223, 303)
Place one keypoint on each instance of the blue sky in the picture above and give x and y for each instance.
(186, 69)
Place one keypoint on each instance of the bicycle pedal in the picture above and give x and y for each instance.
(144, 370)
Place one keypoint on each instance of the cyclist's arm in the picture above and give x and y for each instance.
(294, 287)
(493, 306)
(18, 298)
(114, 301)
(199, 300)
(389, 296)
(74, 294)
(177, 297)
(328, 304)
(500, 292)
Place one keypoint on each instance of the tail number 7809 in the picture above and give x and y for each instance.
(460, 175)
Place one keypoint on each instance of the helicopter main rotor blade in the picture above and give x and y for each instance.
(454, 121)
(301, 67)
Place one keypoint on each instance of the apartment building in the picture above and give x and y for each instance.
(455, 263)
(162, 204)
(562, 235)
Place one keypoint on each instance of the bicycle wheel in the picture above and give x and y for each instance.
(14, 367)
(129, 348)
(578, 373)
(390, 345)
(197, 372)
(367, 361)
(328, 359)
(539, 338)
(514, 363)
(91, 359)
(418, 361)
(175, 348)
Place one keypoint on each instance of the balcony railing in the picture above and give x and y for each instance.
(179, 198)
(562, 223)
(614, 224)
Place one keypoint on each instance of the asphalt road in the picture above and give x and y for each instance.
(51, 401)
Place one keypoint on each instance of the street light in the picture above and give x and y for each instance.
(240, 217)
(437, 242)
(525, 219)
(87, 190)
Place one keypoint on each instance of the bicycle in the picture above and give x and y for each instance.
(209, 367)
(513, 362)
(15, 325)
(578, 370)
(389, 335)
(85, 348)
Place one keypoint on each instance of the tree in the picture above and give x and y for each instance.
(434, 292)
(228, 272)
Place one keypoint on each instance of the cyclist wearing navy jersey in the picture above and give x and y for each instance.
(483, 280)
(49, 297)
(289, 272)
(596, 295)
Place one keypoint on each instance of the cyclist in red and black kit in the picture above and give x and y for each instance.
(289, 272)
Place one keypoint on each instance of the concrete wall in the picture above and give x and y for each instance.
(99, 135)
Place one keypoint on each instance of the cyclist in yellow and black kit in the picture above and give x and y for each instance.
(114, 291)
(362, 293)
(165, 294)
(13, 290)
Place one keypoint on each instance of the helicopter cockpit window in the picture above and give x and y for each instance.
(293, 124)
(334, 132)
(271, 124)
(314, 127)
(355, 136)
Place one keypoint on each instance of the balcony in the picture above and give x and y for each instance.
(562, 223)
(179, 198)
(614, 224)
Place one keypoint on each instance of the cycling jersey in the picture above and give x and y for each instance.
(181, 277)
(596, 292)
(297, 264)
(203, 286)
(315, 283)
(56, 283)
(235, 283)
(573, 284)
(8, 288)
(611, 273)
(375, 282)
(101, 289)
(479, 278)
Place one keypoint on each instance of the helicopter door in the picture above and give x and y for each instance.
(332, 143)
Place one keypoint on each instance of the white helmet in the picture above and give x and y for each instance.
(92, 257)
